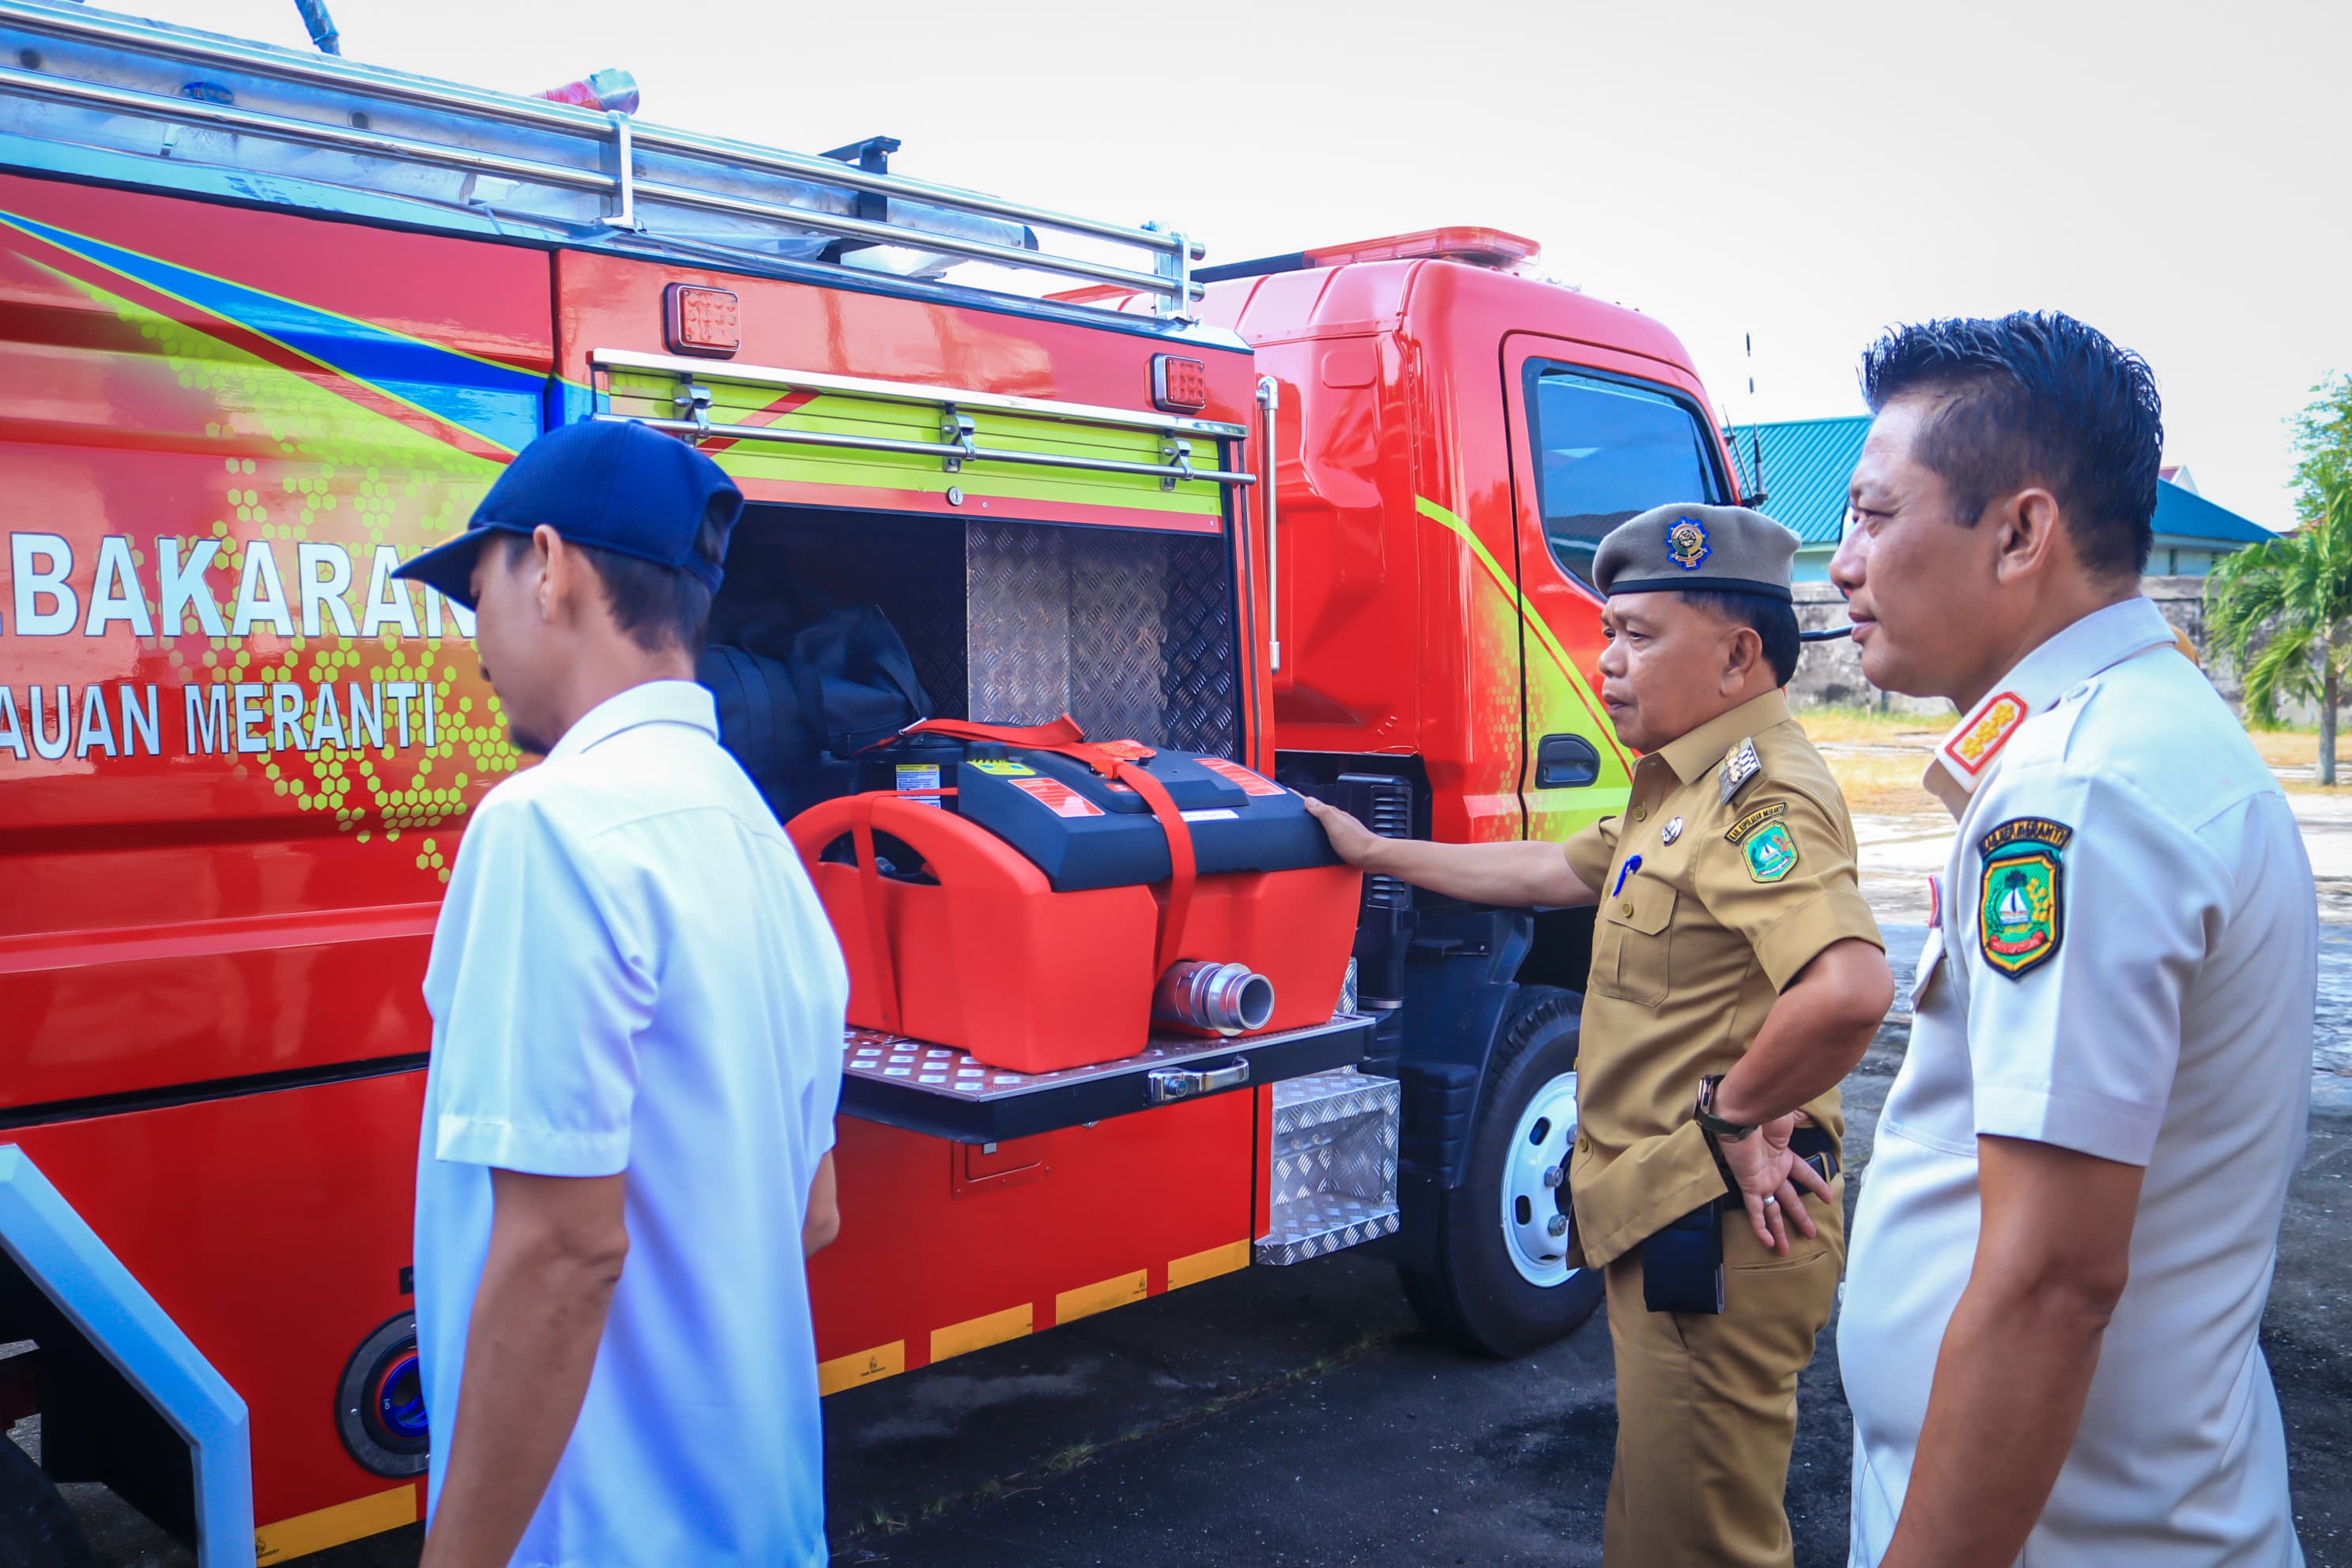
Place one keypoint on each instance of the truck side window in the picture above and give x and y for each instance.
(1607, 449)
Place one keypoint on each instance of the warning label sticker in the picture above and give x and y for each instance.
(921, 776)
(1233, 773)
(1058, 798)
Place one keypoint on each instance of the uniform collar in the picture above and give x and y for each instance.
(2099, 641)
(652, 703)
(1693, 755)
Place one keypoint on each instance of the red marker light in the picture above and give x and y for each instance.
(701, 320)
(1179, 385)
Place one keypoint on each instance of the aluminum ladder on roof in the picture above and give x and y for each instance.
(115, 85)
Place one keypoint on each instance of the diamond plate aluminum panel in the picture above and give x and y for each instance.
(1017, 626)
(1310, 1101)
(1201, 697)
(1119, 610)
(1130, 633)
(1327, 1225)
(885, 1057)
(1332, 1165)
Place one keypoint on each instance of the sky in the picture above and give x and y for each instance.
(1797, 175)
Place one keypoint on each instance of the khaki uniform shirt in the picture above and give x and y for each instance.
(1691, 947)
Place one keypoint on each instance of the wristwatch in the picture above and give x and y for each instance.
(1724, 1132)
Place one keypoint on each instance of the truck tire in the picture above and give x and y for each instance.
(36, 1528)
(1502, 1286)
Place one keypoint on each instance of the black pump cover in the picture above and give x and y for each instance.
(1085, 831)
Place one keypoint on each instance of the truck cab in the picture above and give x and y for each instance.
(1452, 436)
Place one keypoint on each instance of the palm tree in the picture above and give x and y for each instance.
(2296, 590)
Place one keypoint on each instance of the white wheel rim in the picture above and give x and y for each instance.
(1535, 1185)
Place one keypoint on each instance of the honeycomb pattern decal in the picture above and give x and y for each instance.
(365, 490)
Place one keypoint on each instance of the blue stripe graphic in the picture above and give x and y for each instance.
(495, 401)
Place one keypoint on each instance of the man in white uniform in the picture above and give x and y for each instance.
(636, 1052)
(2069, 1222)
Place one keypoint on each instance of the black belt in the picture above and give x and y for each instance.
(1682, 1265)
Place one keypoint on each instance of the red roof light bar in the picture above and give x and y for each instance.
(1471, 246)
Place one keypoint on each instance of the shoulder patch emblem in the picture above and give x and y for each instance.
(1673, 831)
(1986, 733)
(1738, 831)
(1686, 544)
(2020, 915)
(1740, 765)
(1771, 854)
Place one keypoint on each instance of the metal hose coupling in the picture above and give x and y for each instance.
(1225, 998)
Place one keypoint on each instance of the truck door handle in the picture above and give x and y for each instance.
(1566, 761)
(1164, 1085)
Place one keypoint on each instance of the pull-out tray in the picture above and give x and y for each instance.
(925, 1088)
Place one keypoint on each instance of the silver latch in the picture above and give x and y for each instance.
(1164, 1085)
(692, 401)
(957, 430)
(1176, 455)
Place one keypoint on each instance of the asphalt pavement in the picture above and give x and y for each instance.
(1301, 1416)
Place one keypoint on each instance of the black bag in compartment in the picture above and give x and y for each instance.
(799, 699)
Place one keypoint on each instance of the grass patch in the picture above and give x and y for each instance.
(2297, 746)
(1070, 1458)
(1884, 785)
(1828, 726)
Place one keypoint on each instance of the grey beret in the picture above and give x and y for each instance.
(1723, 548)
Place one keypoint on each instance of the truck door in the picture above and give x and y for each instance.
(1597, 436)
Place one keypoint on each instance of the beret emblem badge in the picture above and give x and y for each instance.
(1686, 544)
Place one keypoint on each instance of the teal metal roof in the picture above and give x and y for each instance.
(2185, 514)
(1807, 463)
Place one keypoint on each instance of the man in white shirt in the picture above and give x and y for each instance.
(636, 1054)
(2069, 1222)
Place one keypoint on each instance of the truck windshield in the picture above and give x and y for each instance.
(1606, 451)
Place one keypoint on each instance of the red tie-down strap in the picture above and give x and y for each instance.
(1062, 731)
(877, 926)
(1115, 760)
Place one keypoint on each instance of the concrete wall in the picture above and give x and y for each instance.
(1831, 672)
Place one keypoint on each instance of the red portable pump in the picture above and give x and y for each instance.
(1036, 955)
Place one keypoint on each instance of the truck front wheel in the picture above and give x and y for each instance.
(1503, 1285)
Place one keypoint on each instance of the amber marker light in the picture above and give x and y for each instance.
(1179, 385)
(701, 320)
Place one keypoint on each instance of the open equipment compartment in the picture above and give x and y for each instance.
(1131, 631)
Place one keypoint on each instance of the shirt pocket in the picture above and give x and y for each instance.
(1629, 945)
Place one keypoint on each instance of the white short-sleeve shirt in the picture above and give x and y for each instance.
(632, 973)
(2125, 963)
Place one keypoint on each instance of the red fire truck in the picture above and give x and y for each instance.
(270, 321)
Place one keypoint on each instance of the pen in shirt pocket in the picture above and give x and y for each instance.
(1632, 864)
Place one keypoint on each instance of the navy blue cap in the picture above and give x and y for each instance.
(617, 485)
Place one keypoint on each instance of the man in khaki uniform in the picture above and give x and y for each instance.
(1736, 976)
